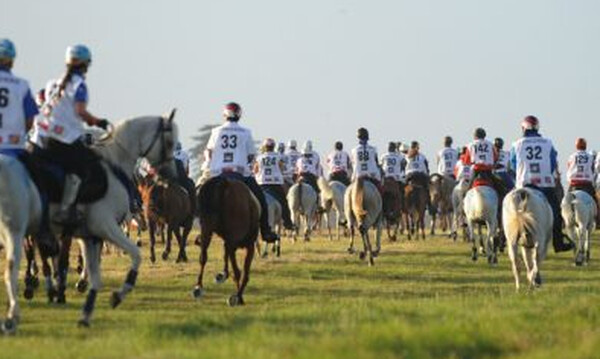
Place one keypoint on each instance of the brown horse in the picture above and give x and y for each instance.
(167, 206)
(440, 194)
(228, 208)
(393, 199)
(415, 195)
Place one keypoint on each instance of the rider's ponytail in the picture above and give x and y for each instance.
(71, 70)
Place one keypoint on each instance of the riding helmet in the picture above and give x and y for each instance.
(78, 55)
(232, 111)
(363, 134)
(7, 50)
(581, 144)
(339, 145)
(530, 123)
(479, 133)
(498, 142)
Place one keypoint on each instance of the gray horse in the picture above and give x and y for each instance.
(363, 205)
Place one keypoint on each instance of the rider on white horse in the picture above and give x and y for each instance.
(502, 167)
(268, 169)
(230, 150)
(64, 113)
(391, 163)
(580, 169)
(535, 161)
(288, 169)
(463, 171)
(339, 164)
(482, 156)
(447, 158)
(308, 166)
(364, 160)
(293, 155)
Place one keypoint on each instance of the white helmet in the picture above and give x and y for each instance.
(292, 144)
(307, 147)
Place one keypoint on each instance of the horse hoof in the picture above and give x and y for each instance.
(220, 278)
(537, 280)
(139, 243)
(81, 285)
(9, 327)
(578, 263)
(51, 295)
(152, 258)
(165, 256)
(362, 256)
(197, 293)
(235, 300)
(351, 250)
(115, 300)
(28, 293)
(264, 255)
(278, 252)
(83, 323)
(375, 254)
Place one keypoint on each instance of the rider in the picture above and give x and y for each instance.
(580, 169)
(502, 166)
(463, 171)
(65, 111)
(391, 163)
(308, 166)
(446, 159)
(364, 160)
(182, 163)
(230, 149)
(293, 155)
(269, 175)
(288, 169)
(416, 166)
(481, 155)
(339, 164)
(535, 161)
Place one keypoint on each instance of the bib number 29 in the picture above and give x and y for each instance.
(228, 141)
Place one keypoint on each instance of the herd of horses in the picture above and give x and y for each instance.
(226, 207)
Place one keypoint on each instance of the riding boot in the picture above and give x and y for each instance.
(265, 229)
(67, 215)
(560, 241)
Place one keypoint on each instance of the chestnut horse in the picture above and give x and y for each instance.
(415, 195)
(392, 206)
(227, 207)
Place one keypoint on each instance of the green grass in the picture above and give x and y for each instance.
(421, 300)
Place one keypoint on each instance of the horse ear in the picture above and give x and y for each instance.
(171, 115)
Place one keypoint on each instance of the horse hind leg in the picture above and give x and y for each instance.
(512, 254)
(221, 277)
(167, 251)
(205, 238)
(236, 298)
(181, 256)
(13, 249)
(92, 250)
(63, 268)
(31, 272)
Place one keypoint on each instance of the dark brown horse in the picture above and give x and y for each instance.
(440, 192)
(228, 208)
(415, 194)
(393, 199)
(167, 206)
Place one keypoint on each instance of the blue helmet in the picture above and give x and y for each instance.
(78, 54)
(7, 50)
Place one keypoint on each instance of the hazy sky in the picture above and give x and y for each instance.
(320, 69)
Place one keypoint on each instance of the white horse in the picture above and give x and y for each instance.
(578, 210)
(363, 205)
(20, 206)
(481, 207)
(527, 221)
(458, 195)
(302, 200)
(332, 200)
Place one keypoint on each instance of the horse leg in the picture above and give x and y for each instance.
(586, 244)
(152, 235)
(30, 275)
(433, 220)
(181, 256)
(167, 251)
(220, 278)
(63, 268)
(246, 272)
(422, 224)
(13, 248)
(92, 250)
(512, 254)
(352, 233)
(368, 252)
(471, 234)
(205, 238)
(234, 299)
(82, 283)
(527, 254)
(378, 230)
(51, 291)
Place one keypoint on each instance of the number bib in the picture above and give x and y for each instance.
(534, 162)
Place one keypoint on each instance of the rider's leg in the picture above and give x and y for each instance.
(66, 214)
(279, 194)
(557, 234)
(265, 229)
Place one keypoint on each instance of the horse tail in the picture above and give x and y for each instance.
(358, 198)
(300, 185)
(570, 200)
(325, 188)
(522, 221)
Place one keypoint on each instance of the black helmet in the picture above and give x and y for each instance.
(479, 133)
(447, 141)
(498, 142)
(363, 134)
(392, 147)
(414, 145)
(339, 145)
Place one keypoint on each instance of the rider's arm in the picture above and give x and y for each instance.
(30, 109)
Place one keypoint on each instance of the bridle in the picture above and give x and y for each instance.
(160, 132)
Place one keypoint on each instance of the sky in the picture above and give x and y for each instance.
(320, 69)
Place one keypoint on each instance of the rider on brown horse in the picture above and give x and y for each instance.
(230, 150)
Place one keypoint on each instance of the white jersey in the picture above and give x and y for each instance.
(462, 171)
(503, 162)
(308, 163)
(13, 91)
(580, 167)
(338, 161)
(391, 163)
(415, 164)
(534, 162)
(364, 162)
(481, 153)
(288, 169)
(293, 156)
(60, 121)
(447, 158)
(269, 170)
(183, 156)
(231, 145)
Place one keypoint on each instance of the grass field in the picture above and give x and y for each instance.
(421, 300)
